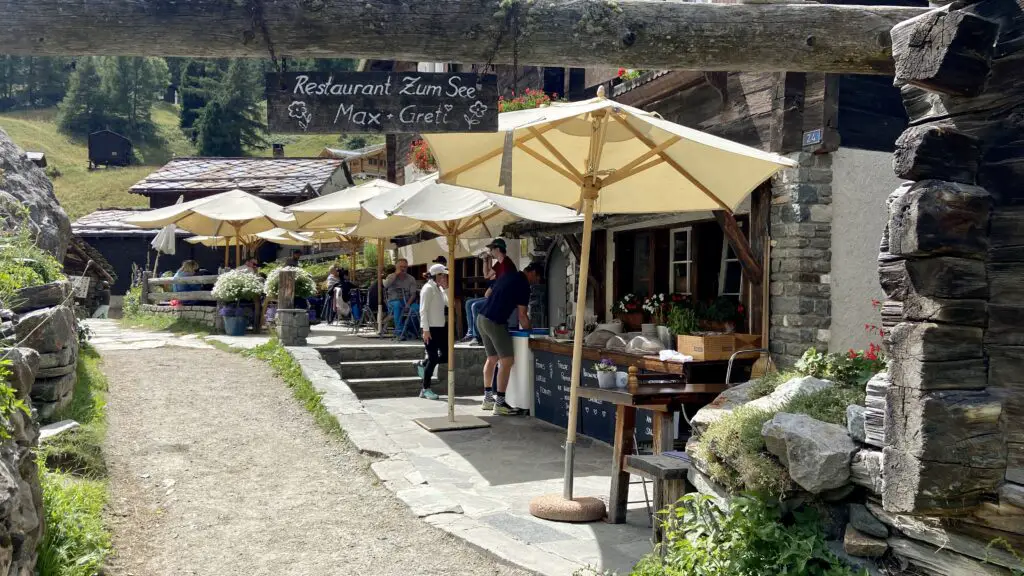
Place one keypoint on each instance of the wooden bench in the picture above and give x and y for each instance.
(670, 483)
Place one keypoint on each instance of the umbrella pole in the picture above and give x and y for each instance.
(452, 239)
(380, 286)
(227, 250)
(589, 194)
(238, 247)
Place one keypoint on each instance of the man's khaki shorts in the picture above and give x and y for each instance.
(497, 341)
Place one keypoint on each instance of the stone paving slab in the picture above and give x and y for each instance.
(477, 484)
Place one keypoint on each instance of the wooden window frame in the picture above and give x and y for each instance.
(722, 267)
(672, 261)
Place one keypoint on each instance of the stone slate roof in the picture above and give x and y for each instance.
(109, 222)
(265, 177)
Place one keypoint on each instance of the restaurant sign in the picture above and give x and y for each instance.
(414, 102)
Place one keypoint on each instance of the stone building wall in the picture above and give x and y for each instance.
(45, 322)
(801, 257)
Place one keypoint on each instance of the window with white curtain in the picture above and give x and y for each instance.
(681, 259)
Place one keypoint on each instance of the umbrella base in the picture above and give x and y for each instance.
(443, 424)
(556, 508)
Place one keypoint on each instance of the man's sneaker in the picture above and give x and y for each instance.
(467, 340)
(488, 404)
(428, 394)
(507, 410)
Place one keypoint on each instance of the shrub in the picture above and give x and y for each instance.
(767, 384)
(851, 369)
(749, 538)
(736, 454)
(132, 304)
(304, 284)
(237, 285)
(22, 263)
(828, 405)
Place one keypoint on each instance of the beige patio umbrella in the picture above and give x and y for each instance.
(340, 210)
(601, 157)
(235, 213)
(453, 212)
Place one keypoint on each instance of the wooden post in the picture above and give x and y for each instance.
(452, 239)
(380, 286)
(144, 293)
(238, 245)
(589, 196)
(286, 289)
(227, 250)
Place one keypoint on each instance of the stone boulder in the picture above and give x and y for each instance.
(783, 394)
(816, 453)
(855, 422)
(48, 330)
(857, 544)
(53, 389)
(44, 296)
(67, 356)
(724, 404)
(23, 184)
(24, 366)
(864, 521)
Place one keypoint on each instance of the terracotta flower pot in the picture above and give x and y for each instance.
(631, 321)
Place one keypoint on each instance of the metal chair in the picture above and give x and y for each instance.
(762, 366)
(643, 482)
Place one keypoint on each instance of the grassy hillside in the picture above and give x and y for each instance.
(81, 191)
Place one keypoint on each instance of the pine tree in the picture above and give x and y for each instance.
(132, 85)
(197, 85)
(85, 107)
(231, 123)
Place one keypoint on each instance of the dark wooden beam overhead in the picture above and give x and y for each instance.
(750, 263)
(638, 34)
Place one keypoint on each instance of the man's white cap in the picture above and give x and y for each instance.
(437, 269)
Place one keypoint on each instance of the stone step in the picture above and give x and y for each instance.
(397, 387)
(365, 369)
(336, 354)
(404, 387)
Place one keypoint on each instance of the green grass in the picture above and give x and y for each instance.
(165, 323)
(288, 369)
(73, 477)
(81, 191)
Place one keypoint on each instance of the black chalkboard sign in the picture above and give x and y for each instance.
(415, 102)
(552, 380)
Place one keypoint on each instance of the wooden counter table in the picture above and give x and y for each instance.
(662, 400)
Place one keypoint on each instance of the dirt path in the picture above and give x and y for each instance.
(216, 470)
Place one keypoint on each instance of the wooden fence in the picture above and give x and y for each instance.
(149, 296)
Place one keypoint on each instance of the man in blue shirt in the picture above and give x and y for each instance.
(510, 293)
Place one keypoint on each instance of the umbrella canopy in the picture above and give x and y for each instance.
(643, 162)
(234, 213)
(602, 157)
(449, 210)
(453, 212)
(214, 241)
(339, 209)
(429, 250)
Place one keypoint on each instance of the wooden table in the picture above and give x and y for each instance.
(664, 401)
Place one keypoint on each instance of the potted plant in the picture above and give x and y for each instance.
(232, 288)
(656, 307)
(305, 286)
(628, 309)
(724, 314)
(605, 373)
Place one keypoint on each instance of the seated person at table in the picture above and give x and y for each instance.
(188, 269)
(511, 293)
(401, 290)
(293, 260)
(473, 305)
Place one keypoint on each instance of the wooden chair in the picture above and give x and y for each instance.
(670, 483)
(762, 366)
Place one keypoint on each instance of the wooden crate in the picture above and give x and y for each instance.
(716, 346)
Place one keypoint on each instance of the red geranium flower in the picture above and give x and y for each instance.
(622, 72)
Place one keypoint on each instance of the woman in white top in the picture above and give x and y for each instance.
(433, 319)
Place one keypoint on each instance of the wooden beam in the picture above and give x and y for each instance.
(582, 33)
(751, 268)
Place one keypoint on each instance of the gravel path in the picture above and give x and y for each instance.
(216, 470)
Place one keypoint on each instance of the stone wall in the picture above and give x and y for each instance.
(25, 185)
(203, 314)
(801, 229)
(21, 504)
(45, 322)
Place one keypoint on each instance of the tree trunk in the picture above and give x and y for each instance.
(580, 33)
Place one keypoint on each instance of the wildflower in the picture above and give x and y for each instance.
(852, 355)
(622, 72)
